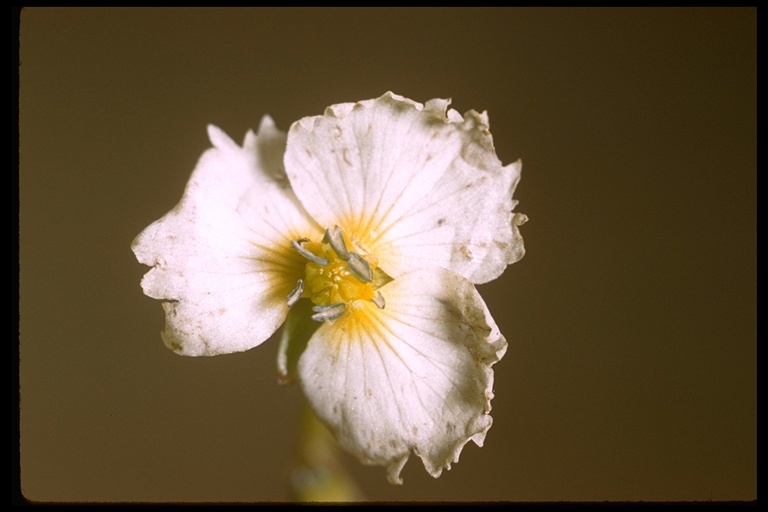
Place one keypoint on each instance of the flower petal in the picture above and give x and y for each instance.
(223, 263)
(415, 376)
(418, 185)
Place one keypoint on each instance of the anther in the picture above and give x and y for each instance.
(309, 255)
(328, 313)
(295, 295)
(336, 239)
(360, 268)
(379, 300)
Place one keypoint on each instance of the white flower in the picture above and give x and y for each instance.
(367, 229)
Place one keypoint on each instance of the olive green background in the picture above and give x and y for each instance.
(631, 369)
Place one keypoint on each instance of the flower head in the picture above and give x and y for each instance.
(364, 231)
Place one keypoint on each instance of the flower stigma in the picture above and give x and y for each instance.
(335, 276)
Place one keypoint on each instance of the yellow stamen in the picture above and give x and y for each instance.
(334, 282)
(338, 275)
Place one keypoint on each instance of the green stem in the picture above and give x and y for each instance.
(319, 474)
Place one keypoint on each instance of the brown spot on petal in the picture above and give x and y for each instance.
(174, 345)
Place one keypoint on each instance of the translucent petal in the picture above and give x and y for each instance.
(414, 376)
(417, 185)
(222, 259)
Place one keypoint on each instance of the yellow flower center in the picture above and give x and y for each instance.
(334, 282)
(338, 273)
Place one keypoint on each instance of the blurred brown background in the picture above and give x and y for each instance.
(631, 371)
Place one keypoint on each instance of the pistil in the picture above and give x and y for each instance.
(334, 276)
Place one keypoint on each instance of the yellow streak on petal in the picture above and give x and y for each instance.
(280, 265)
(361, 323)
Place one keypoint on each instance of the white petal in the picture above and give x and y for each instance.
(418, 185)
(222, 259)
(414, 376)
